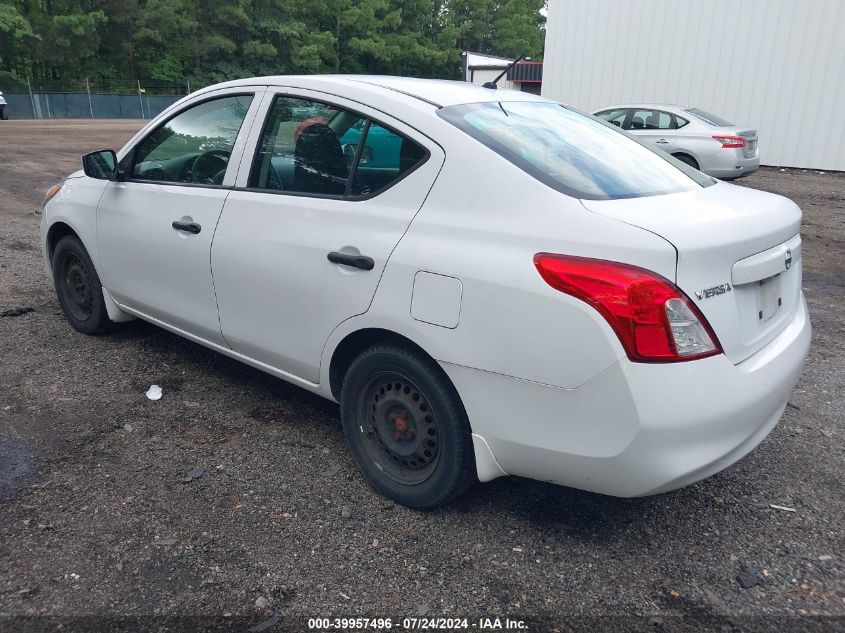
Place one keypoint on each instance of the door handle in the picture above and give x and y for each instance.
(356, 261)
(662, 140)
(188, 227)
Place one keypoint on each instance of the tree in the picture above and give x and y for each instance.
(16, 38)
(211, 40)
(518, 28)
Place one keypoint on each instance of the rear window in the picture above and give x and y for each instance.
(707, 117)
(572, 152)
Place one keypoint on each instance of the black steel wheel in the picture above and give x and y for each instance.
(402, 435)
(407, 426)
(75, 284)
(78, 287)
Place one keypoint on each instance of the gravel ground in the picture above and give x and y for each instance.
(98, 518)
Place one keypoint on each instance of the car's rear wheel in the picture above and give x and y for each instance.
(407, 427)
(78, 287)
(687, 160)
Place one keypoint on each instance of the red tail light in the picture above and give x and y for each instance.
(654, 319)
(731, 141)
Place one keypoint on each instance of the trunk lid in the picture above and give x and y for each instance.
(749, 134)
(739, 256)
(750, 149)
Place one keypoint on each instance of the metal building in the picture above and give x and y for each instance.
(479, 68)
(775, 65)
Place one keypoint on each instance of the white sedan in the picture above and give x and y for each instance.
(487, 282)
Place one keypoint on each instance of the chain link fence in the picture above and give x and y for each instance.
(91, 98)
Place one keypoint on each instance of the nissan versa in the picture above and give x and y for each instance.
(487, 282)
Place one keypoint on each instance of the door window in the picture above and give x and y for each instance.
(300, 150)
(385, 157)
(313, 148)
(194, 146)
(615, 117)
(651, 120)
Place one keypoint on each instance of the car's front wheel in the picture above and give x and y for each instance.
(78, 287)
(407, 427)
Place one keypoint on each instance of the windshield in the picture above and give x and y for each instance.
(572, 152)
(712, 119)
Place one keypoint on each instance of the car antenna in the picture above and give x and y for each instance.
(493, 84)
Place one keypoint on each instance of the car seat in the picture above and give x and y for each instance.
(320, 166)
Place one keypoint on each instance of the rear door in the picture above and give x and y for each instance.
(154, 228)
(652, 126)
(320, 203)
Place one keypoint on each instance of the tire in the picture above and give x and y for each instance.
(412, 443)
(687, 160)
(4, 115)
(78, 287)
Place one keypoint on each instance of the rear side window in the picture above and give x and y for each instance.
(572, 152)
(299, 152)
(312, 148)
(194, 146)
(680, 121)
(386, 156)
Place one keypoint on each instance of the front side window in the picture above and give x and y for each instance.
(572, 152)
(614, 117)
(194, 146)
(312, 148)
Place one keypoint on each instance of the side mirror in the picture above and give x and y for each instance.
(101, 164)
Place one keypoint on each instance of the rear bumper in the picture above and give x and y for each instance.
(637, 429)
(730, 164)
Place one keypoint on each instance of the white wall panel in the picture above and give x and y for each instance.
(775, 65)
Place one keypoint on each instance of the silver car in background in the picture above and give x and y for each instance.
(700, 139)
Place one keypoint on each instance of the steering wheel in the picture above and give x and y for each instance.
(210, 166)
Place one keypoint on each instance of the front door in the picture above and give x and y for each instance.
(304, 237)
(154, 227)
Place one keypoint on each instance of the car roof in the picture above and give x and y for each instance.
(645, 106)
(437, 92)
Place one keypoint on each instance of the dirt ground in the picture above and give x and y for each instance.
(97, 520)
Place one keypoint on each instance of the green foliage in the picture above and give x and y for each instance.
(16, 36)
(211, 40)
